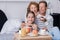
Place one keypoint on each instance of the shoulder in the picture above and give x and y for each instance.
(38, 15)
(49, 17)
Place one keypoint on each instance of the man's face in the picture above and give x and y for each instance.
(42, 8)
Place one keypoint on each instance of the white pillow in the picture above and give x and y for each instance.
(11, 26)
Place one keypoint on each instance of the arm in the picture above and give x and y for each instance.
(49, 22)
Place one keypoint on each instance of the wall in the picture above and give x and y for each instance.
(14, 10)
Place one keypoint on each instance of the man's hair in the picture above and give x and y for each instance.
(44, 3)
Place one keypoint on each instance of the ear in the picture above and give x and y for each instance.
(46, 8)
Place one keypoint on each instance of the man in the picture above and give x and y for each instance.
(44, 20)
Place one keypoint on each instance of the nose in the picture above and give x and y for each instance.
(30, 18)
(33, 9)
(40, 8)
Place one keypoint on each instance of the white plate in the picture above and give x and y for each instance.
(44, 34)
(30, 34)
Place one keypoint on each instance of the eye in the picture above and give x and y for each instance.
(33, 17)
(28, 17)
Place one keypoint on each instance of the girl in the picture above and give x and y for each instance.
(33, 6)
(30, 17)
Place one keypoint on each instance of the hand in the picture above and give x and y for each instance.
(34, 26)
(45, 28)
(43, 19)
(23, 25)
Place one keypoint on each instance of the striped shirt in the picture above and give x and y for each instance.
(41, 24)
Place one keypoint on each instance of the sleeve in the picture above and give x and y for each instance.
(49, 22)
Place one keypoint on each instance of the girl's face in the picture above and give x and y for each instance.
(30, 18)
(33, 8)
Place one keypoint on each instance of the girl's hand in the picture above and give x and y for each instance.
(23, 25)
(34, 26)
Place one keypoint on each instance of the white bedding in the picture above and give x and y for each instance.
(11, 26)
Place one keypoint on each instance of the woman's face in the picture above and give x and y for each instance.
(30, 18)
(42, 8)
(33, 8)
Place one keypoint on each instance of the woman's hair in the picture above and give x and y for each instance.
(44, 3)
(31, 13)
(33, 3)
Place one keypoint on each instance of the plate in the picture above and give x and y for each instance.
(30, 34)
(43, 34)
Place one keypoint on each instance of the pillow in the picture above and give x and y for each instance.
(11, 26)
(3, 19)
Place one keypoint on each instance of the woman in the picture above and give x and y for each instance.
(33, 6)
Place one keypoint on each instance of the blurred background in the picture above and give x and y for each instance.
(16, 9)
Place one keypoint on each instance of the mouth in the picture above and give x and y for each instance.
(30, 21)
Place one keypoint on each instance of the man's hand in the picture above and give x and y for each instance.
(45, 28)
(43, 19)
